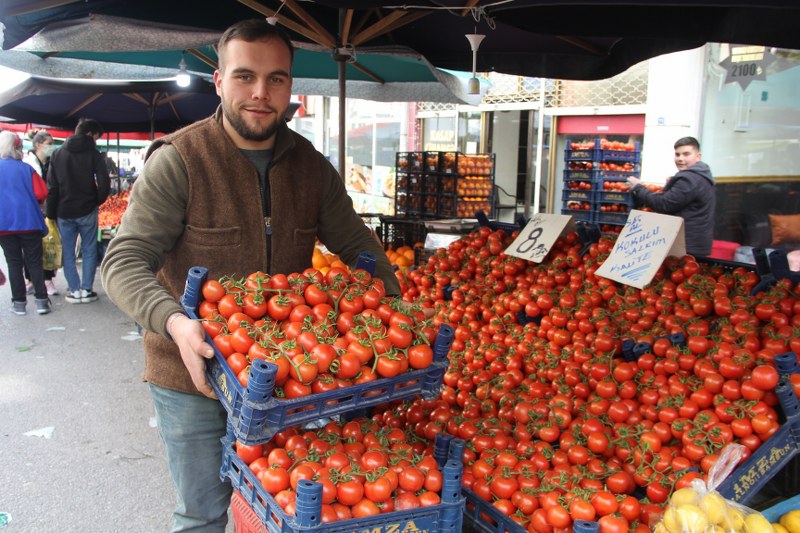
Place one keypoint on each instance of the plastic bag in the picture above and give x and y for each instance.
(701, 509)
(51, 247)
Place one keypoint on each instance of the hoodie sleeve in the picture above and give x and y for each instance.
(101, 177)
(51, 207)
(671, 200)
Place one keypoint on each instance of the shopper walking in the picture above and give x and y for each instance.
(39, 158)
(22, 225)
(78, 184)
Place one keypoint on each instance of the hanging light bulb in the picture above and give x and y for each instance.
(183, 79)
(273, 20)
(474, 86)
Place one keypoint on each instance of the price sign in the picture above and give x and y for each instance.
(534, 241)
(644, 243)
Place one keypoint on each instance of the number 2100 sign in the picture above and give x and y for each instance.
(537, 237)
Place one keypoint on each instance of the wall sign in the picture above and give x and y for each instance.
(537, 237)
(644, 243)
(746, 64)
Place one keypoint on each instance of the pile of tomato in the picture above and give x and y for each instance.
(559, 425)
(323, 332)
(365, 469)
(110, 213)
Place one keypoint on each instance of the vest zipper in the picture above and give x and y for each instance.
(268, 230)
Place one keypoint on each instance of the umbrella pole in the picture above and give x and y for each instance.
(342, 96)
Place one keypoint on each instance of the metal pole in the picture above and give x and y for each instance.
(342, 111)
(529, 166)
(539, 149)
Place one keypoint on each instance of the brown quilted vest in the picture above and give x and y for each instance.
(224, 226)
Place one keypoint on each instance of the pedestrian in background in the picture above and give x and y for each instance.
(689, 194)
(78, 184)
(22, 224)
(237, 193)
(39, 158)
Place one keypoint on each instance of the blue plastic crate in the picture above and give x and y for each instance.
(256, 415)
(576, 195)
(447, 517)
(598, 154)
(579, 214)
(597, 174)
(606, 217)
(613, 197)
(774, 513)
(519, 223)
(776, 452)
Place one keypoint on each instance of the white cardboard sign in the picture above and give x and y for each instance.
(534, 241)
(644, 243)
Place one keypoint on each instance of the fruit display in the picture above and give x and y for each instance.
(789, 522)
(560, 423)
(602, 167)
(448, 184)
(110, 213)
(323, 332)
(365, 469)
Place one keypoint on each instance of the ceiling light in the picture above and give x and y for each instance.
(474, 39)
(183, 79)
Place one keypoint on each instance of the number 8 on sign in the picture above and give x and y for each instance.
(537, 237)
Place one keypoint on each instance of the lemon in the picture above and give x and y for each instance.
(756, 523)
(734, 520)
(791, 521)
(714, 506)
(779, 528)
(670, 521)
(683, 496)
(691, 518)
(660, 528)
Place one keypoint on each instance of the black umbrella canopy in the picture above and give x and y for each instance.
(568, 39)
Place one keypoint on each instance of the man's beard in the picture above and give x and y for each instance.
(244, 130)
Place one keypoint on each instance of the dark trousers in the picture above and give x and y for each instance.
(24, 250)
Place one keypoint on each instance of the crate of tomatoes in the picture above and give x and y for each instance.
(347, 476)
(293, 349)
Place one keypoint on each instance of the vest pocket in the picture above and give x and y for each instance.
(213, 236)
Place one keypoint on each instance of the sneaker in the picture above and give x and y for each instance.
(88, 296)
(18, 308)
(73, 297)
(29, 287)
(51, 287)
(43, 306)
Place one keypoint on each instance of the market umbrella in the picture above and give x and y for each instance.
(392, 74)
(568, 39)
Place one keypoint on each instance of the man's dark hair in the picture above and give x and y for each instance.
(89, 126)
(252, 30)
(688, 141)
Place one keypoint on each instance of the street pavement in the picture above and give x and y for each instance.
(79, 450)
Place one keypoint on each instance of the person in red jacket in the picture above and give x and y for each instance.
(22, 225)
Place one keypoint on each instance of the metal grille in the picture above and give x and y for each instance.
(627, 88)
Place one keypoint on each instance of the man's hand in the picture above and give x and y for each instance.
(189, 335)
(633, 182)
(408, 307)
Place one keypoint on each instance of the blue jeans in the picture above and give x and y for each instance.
(70, 228)
(191, 428)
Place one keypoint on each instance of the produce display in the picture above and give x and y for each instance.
(561, 424)
(443, 184)
(789, 522)
(323, 332)
(110, 213)
(365, 469)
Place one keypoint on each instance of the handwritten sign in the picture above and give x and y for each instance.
(537, 237)
(644, 243)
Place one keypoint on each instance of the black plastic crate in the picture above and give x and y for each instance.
(396, 232)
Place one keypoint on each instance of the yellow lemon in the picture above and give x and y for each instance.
(791, 521)
(779, 528)
(670, 521)
(691, 518)
(734, 520)
(683, 496)
(715, 528)
(756, 523)
(714, 506)
(661, 528)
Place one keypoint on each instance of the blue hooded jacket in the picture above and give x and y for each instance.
(19, 208)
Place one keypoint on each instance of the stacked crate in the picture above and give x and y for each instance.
(443, 184)
(594, 182)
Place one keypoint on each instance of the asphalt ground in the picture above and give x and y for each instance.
(79, 450)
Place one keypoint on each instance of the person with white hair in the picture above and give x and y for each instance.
(22, 224)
